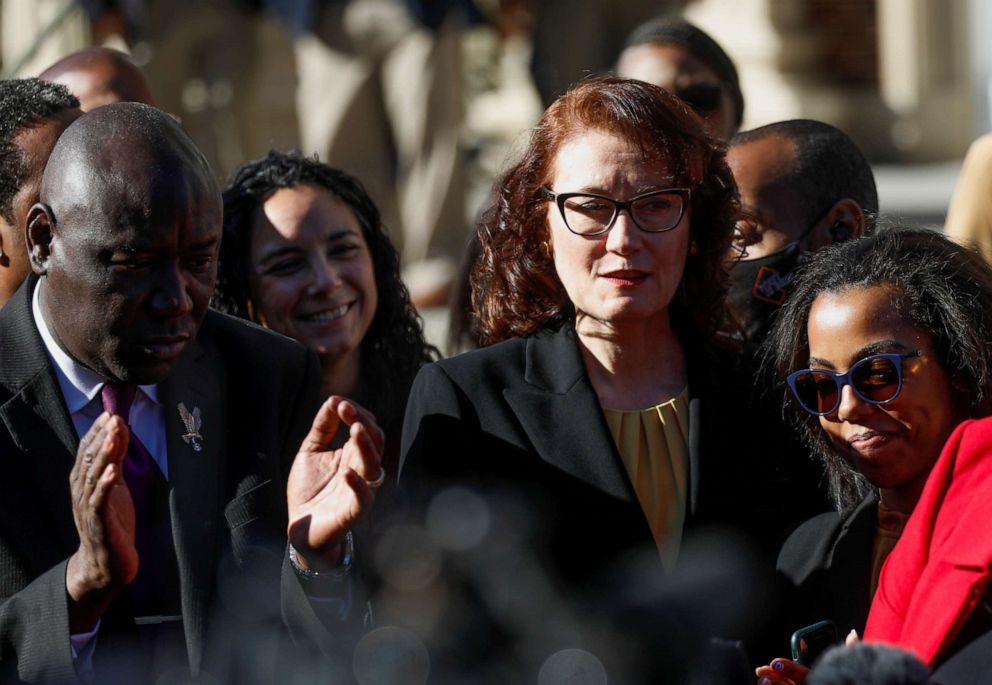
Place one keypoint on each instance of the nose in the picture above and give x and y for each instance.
(171, 298)
(324, 277)
(624, 236)
(851, 406)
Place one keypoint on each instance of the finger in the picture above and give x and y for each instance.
(790, 669)
(85, 451)
(364, 494)
(325, 425)
(351, 413)
(109, 451)
(769, 676)
(108, 478)
(852, 638)
(362, 455)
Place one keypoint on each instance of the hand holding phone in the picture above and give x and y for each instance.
(810, 642)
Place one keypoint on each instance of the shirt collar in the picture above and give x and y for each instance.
(79, 384)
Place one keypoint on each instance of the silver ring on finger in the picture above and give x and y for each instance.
(379, 479)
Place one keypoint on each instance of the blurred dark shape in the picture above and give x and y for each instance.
(868, 664)
(100, 76)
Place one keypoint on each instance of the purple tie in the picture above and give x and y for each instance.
(139, 465)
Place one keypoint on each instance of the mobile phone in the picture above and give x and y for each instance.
(810, 642)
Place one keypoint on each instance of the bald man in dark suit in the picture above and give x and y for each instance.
(150, 451)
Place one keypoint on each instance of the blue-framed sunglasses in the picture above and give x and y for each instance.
(876, 380)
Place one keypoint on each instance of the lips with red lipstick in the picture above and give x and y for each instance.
(625, 278)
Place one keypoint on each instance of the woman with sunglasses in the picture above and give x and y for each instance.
(884, 347)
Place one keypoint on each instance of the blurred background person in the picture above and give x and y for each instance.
(969, 215)
(100, 76)
(33, 115)
(883, 344)
(684, 60)
(305, 254)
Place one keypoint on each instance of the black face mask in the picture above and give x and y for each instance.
(758, 287)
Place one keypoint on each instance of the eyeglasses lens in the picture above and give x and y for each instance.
(876, 378)
(817, 392)
(587, 214)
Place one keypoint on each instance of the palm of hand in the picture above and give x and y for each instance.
(323, 502)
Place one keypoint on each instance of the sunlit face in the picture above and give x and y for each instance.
(311, 271)
(625, 274)
(893, 445)
(677, 70)
(36, 142)
(763, 170)
(131, 271)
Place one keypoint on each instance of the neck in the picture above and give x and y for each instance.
(902, 499)
(632, 365)
(340, 376)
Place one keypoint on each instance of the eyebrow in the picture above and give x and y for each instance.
(877, 347)
(669, 184)
(293, 249)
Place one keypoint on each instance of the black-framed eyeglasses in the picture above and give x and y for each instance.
(876, 379)
(590, 215)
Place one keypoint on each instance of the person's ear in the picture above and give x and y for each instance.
(39, 235)
(843, 221)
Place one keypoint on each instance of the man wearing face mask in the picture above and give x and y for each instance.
(804, 185)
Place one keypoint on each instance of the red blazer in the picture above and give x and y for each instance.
(940, 567)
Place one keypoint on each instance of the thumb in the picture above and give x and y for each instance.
(325, 426)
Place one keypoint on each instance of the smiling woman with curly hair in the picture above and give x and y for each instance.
(305, 253)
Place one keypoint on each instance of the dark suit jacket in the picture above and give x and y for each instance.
(521, 423)
(257, 395)
(826, 564)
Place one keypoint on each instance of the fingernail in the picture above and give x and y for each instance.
(778, 665)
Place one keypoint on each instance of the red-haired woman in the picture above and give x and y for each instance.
(593, 410)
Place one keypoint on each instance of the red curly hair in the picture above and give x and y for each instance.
(515, 289)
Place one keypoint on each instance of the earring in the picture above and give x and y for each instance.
(693, 248)
(546, 249)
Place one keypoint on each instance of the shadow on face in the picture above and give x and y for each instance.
(311, 273)
(125, 239)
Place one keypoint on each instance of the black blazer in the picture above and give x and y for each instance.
(257, 394)
(520, 422)
(826, 565)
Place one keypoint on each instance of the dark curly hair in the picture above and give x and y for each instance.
(23, 102)
(515, 289)
(394, 347)
(939, 286)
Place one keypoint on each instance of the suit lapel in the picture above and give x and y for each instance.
(196, 481)
(36, 418)
(560, 412)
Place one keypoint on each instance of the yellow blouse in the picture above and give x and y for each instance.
(654, 446)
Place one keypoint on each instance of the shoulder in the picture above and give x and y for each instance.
(256, 360)
(247, 341)
(810, 547)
